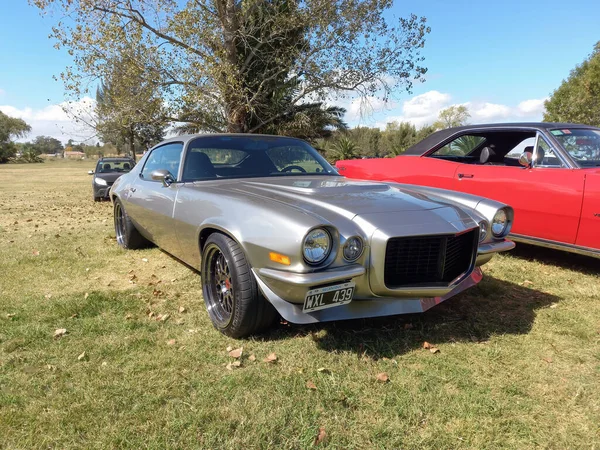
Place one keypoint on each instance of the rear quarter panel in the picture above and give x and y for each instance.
(589, 225)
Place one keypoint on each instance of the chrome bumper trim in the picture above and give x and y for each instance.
(314, 278)
(586, 251)
(493, 247)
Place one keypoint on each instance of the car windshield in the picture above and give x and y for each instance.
(114, 165)
(211, 157)
(582, 144)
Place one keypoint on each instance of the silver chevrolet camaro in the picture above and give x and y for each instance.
(273, 229)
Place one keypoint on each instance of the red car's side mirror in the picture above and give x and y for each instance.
(526, 159)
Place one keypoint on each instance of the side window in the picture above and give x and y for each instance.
(545, 156)
(167, 157)
(461, 146)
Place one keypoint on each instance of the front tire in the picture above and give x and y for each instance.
(127, 234)
(234, 303)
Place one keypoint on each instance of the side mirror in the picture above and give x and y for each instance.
(526, 159)
(164, 176)
(90, 172)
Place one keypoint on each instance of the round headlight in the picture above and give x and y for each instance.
(500, 223)
(317, 246)
(100, 181)
(483, 230)
(353, 248)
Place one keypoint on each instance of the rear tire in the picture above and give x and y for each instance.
(235, 304)
(127, 234)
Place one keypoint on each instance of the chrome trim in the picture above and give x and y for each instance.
(493, 247)
(586, 251)
(314, 278)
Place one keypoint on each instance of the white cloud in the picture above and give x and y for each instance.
(424, 109)
(63, 121)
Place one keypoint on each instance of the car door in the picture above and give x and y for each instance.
(546, 197)
(151, 203)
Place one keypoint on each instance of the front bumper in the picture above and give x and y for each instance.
(286, 290)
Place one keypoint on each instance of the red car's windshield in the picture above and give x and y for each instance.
(582, 144)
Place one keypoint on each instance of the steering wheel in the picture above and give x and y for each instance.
(290, 168)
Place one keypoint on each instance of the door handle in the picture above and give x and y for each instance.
(466, 175)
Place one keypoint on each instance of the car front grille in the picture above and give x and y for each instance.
(429, 260)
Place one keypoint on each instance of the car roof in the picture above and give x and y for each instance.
(185, 138)
(116, 158)
(439, 136)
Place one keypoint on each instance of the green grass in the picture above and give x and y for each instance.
(518, 367)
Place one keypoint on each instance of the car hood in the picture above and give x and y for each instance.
(110, 177)
(337, 194)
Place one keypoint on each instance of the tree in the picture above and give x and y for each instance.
(398, 137)
(129, 108)
(343, 148)
(47, 144)
(10, 128)
(578, 97)
(243, 65)
(453, 116)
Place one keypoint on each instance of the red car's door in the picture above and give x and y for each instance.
(547, 201)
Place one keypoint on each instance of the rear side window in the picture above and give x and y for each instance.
(461, 146)
(166, 157)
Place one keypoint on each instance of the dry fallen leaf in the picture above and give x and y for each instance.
(434, 350)
(321, 435)
(252, 358)
(86, 295)
(383, 377)
(74, 316)
(10, 315)
(82, 357)
(427, 345)
(60, 332)
(151, 314)
(237, 353)
(233, 365)
(229, 348)
(104, 364)
(48, 296)
(324, 370)
(128, 317)
(164, 317)
(144, 259)
(50, 367)
(182, 309)
(548, 360)
(171, 342)
(311, 385)
(36, 253)
(271, 358)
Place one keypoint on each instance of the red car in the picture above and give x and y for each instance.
(548, 172)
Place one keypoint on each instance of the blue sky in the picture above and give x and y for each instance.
(500, 58)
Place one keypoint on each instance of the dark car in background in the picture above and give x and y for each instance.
(106, 173)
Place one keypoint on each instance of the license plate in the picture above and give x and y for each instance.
(328, 297)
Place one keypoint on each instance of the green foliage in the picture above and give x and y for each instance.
(47, 144)
(343, 148)
(30, 154)
(578, 97)
(242, 66)
(453, 116)
(10, 128)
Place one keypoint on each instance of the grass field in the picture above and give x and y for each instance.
(518, 364)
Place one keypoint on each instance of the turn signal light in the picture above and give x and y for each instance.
(281, 259)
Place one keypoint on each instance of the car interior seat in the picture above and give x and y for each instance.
(106, 166)
(487, 155)
(198, 166)
(126, 166)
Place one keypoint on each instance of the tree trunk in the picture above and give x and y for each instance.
(132, 145)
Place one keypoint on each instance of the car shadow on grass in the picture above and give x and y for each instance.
(494, 307)
(558, 258)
